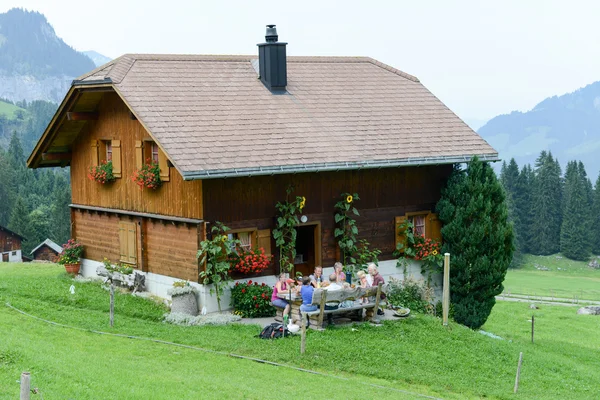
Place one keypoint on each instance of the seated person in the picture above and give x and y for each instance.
(333, 285)
(281, 287)
(377, 279)
(316, 279)
(362, 278)
(339, 273)
(306, 291)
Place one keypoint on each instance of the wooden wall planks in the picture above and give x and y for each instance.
(176, 197)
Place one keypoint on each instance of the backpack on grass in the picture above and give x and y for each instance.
(273, 331)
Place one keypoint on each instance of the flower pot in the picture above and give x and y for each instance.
(73, 269)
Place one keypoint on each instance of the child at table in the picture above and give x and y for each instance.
(306, 291)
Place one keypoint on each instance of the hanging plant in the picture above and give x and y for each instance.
(285, 233)
(148, 176)
(346, 231)
(102, 173)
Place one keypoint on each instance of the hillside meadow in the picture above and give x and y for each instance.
(400, 359)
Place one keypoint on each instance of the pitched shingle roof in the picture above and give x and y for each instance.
(49, 243)
(214, 117)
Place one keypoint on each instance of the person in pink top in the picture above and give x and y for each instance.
(281, 287)
(339, 273)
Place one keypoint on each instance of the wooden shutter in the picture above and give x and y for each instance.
(264, 240)
(164, 166)
(433, 227)
(116, 158)
(128, 242)
(132, 243)
(123, 241)
(400, 236)
(139, 154)
(94, 151)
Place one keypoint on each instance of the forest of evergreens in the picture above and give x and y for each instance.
(34, 203)
(552, 212)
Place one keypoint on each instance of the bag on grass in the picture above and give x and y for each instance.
(273, 331)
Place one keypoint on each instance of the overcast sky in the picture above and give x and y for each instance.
(481, 58)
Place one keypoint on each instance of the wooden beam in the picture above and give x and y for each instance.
(56, 156)
(82, 116)
(132, 116)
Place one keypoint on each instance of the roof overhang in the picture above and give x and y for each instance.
(54, 147)
(337, 166)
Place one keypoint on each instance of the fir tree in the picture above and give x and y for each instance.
(509, 177)
(15, 152)
(61, 216)
(575, 240)
(595, 223)
(479, 237)
(19, 218)
(546, 206)
(5, 193)
(523, 205)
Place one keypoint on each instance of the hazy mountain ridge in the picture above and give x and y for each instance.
(567, 125)
(35, 64)
(97, 58)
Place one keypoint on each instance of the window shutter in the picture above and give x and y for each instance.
(164, 166)
(131, 243)
(116, 158)
(264, 240)
(94, 151)
(139, 154)
(400, 236)
(123, 241)
(433, 227)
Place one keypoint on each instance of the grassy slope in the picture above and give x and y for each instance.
(8, 109)
(416, 354)
(574, 278)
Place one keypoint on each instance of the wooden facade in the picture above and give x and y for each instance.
(159, 231)
(9, 242)
(45, 253)
(176, 197)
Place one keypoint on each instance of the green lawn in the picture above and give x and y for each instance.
(416, 355)
(9, 110)
(573, 279)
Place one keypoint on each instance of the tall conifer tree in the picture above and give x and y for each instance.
(575, 242)
(19, 218)
(479, 237)
(523, 205)
(509, 177)
(595, 223)
(546, 206)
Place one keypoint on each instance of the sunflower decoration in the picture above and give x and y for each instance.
(224, 238)
(302, 203)
(435, 252)
(349, 199)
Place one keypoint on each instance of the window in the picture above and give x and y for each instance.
(247, 239)
(424, 223)
(128, 242)
(14, 253)
(109, 152)
(154, 149)
(149, 150)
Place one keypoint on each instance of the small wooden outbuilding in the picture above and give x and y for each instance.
(10, 245)
(47, 250)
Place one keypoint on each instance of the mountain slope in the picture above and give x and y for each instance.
(97, 58)
(35, 64)
(567, 125)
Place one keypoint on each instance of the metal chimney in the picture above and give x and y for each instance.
(272, 61)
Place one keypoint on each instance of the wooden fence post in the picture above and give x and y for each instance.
(446, 290)
(25, 386)
(303, 335)
(518, 372)
(112, 304)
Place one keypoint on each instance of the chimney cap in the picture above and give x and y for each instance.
(271, 35)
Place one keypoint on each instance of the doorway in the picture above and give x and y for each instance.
(5, 257)
(308, 248)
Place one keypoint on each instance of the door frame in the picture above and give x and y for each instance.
(317, 240)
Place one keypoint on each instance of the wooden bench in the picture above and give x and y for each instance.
(356, 295)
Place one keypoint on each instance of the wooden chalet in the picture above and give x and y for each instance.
(231, 133)
(46, 251)
(10, 245)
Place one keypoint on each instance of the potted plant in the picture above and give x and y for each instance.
(148, 176)
(102, 173)
(70, 257)
(183, 297)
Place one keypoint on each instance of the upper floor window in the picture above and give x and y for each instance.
(154, 149)
(109, 150)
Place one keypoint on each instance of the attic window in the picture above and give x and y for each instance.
(154, 149)
(148, 150)
(109, 151)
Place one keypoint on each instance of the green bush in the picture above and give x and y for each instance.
(408, 293)
(251, 300)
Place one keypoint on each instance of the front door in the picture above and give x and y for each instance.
(5, 257)
(308, 248)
